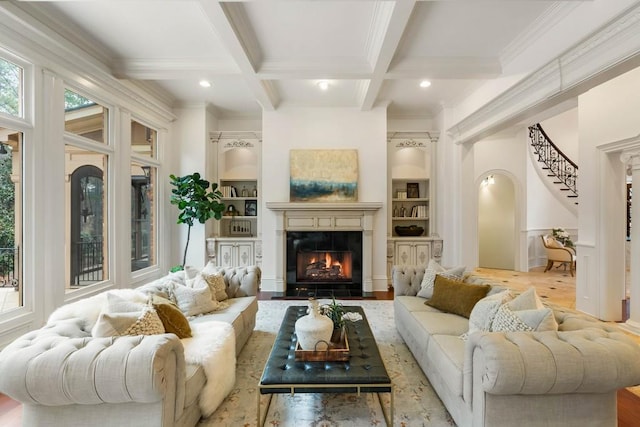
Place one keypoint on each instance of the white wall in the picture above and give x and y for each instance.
(189, 147)
(496, 223)
(607, 114)
(324, 128)
(481, 160)
(563, 131)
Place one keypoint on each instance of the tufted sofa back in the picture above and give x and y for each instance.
(240, 281)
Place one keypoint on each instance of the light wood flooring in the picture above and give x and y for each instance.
(556, 286)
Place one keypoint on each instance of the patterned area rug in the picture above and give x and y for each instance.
(416, 404)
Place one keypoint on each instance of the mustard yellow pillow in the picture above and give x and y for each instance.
(172, 318)
(454, 296)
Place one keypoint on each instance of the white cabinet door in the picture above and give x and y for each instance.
(422, 253)
(235, 254)
(412, 253)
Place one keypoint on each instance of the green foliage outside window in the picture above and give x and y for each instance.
(7, 203)
(10, 87)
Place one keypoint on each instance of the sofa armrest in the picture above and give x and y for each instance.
(591, 360)
(48, 369)
(406, 279)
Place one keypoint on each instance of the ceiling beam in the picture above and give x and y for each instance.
(388, 25)
(230, 23)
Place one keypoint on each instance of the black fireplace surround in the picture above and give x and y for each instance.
(325, 280)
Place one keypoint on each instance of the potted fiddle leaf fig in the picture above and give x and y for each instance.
(197, 200)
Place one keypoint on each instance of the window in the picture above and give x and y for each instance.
(86, 217)
(143, 140)
(11, 283)
(87, 157)
(11, 77)
(143, 195)
(84, 117)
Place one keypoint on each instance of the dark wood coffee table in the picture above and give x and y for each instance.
(364, 372)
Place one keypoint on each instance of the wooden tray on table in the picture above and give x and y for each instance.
(338, 350)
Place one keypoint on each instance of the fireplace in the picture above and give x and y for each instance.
(324, 263)
(320, 220)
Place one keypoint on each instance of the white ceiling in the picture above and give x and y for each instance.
(262, 54)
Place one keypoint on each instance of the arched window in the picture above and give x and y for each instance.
(87, 226)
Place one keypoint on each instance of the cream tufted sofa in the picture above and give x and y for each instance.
(564, 378)
(65, 377)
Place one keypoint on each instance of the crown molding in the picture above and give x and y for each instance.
(161, 69)
(51, 50)
(576, 70)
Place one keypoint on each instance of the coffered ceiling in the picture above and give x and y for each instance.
(263, 54)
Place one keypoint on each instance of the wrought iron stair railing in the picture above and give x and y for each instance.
(563, 170)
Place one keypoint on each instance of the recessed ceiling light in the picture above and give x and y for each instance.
(323, 84)
(425, 83)
(205, 83)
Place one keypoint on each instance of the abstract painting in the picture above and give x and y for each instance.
(324, 176)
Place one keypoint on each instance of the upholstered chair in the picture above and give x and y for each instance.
(557, 252)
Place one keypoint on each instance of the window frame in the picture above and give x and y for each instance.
(153, 162)
(108, 149)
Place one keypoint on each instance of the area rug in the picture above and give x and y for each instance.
(416, 404)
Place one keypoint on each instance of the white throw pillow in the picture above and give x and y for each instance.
(485, 310)
(433, 268)
(528, 300)
(196, 298)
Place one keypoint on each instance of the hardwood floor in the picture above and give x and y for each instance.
(556, 286)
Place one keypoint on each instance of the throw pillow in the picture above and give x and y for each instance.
(433, 268)
(524, 320)
(122, 317)
(173, 320)
(485, 310)
(454, 296)
(217, 286)
(194, 300)
(528, 300)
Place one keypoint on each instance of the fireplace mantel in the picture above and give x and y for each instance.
(343, 206)
(356, 216)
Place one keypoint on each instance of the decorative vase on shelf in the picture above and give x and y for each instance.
(314, 328)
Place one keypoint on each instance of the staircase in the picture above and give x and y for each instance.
(561, 170)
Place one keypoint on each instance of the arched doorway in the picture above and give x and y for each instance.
(87, 224)
(497, 222)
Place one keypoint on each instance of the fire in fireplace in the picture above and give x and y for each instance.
(324, 266)
(324, 263)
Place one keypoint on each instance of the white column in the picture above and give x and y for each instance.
(280, 247)
(633, 159)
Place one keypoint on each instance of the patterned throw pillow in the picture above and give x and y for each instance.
(507, 320)
(433, 268)
(485, 310)
(121, 317)
(217, 285)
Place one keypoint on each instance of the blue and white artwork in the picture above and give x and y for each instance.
(324, 176)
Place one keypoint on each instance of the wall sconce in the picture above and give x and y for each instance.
(489, 180)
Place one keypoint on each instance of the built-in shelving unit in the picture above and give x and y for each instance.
(236, 239)
(409, 211)
(411, 204)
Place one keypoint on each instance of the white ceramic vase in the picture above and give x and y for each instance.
(314, 328)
